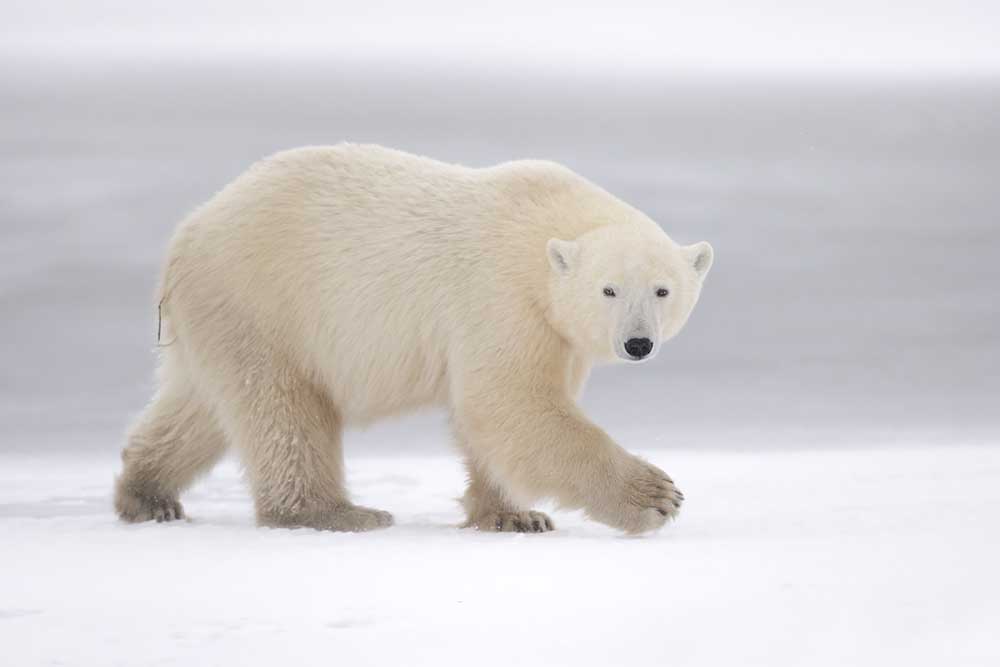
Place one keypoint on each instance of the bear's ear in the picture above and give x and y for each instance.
(562, 254)
(700, 255)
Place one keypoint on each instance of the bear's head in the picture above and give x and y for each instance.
(621, 291)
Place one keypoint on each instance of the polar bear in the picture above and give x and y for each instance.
(331, 286)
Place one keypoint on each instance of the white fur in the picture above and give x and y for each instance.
(328, 287)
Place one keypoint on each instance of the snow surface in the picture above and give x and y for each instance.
(873, 556)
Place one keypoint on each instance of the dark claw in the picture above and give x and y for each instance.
(662, 512)
(536, 525)
(499, 525)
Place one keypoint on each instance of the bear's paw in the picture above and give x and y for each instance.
(512, 522)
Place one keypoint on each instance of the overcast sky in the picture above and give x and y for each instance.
(916, 36)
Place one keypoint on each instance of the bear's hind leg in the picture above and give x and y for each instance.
(488, 508)
(175, 440)
(289, 434)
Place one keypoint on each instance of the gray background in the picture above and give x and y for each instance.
(853, 203)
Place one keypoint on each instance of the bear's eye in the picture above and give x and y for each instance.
(662, 292)
(609, 292)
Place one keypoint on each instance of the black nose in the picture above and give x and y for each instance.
(638, 347)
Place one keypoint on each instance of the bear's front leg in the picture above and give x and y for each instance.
(548, 449)
(488, 508)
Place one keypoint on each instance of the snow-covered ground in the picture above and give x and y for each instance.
(872, 556)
